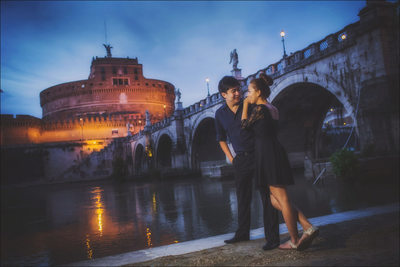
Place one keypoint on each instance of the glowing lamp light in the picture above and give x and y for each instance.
(344, 123)
(282, 33)
(331, 109)
(343, 36)
(207, 80)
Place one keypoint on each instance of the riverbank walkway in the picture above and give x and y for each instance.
(365, 237)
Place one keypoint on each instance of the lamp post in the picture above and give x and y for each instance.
(165, 113)
(208, 86)
(283, 43)
(81, 123)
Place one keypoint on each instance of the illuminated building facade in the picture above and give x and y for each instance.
(112, 102)
(115, 87)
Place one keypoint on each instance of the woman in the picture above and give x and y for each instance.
(272, 165)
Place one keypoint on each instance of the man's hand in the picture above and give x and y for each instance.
(227, 152)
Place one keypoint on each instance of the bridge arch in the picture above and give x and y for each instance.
(303, 100)
(139, 158)
(164, 151)
(324, 80)
(204, 146)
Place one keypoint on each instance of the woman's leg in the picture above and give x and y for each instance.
(275, 202)
(288, 212)
(298, 214)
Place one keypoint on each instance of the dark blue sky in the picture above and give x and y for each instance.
(183, 42)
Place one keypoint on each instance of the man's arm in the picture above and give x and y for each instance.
(221, 137)
(227, 151)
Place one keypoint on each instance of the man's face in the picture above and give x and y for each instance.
(232, 96)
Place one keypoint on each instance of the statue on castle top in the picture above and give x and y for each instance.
(234, 59)
(108, 49)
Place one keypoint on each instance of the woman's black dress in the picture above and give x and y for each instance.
(272, 165)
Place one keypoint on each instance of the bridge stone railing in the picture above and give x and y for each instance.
(161, 124)
(203, 104)
(315, 51)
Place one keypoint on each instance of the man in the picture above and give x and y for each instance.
(228, 124)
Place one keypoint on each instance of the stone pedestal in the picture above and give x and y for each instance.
(178, 105)
(237, 73)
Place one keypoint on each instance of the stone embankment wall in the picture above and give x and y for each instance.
(56, 162)
(26, 129)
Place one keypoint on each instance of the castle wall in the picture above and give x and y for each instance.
(30, 130)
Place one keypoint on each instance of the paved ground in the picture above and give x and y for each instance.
(371, 241)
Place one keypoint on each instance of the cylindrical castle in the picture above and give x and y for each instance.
(116, 87)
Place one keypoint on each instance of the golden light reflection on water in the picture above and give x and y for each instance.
(98, 203)
(89, 249)
(148, 237)
(154, 203)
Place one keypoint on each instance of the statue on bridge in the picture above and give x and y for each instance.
(234, 59)
(108, 49)
(148, 122)
(178, 94)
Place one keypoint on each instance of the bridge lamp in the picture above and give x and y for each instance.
(81, 123)
(208, 86)
(283, 43)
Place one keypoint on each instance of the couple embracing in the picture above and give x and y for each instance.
(251, 126)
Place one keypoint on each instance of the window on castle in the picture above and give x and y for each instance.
(125, 70)
(125, 81)
(120, 81)
(115, 81)
(135, 71)
(114, 70)
(103, 70)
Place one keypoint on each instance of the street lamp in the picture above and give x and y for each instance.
(165, 113)
(208, 86)
(283, 43)
(81, 123)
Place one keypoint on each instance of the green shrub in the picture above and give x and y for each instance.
(345, 163)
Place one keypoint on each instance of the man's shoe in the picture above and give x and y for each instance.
(270, 245)
(236, 239)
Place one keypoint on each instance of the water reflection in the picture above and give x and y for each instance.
(98, 203)
(69, 223)
(148, 236)
(89, 249)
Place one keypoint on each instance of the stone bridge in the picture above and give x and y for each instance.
(355, 68)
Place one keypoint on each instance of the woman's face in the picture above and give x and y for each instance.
(252, 94)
